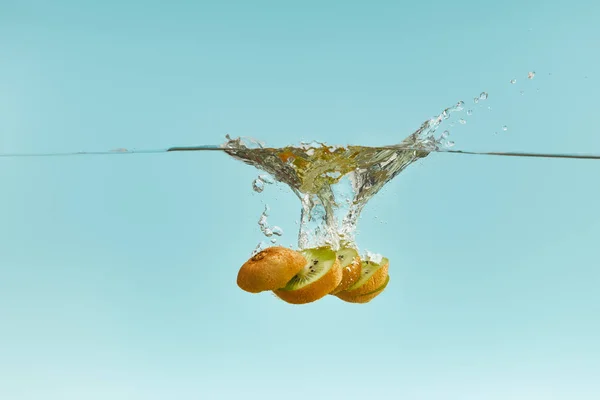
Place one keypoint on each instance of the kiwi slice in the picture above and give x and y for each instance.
(373, 276)
(320, 275)
(270, 269)
(367, 297)
(379, 289)
(351, 268)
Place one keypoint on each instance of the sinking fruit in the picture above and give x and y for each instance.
(350, 264)
(374, 276)
(270, 269)
(367, 297)
(321, 274)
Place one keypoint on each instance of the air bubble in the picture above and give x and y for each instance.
(513, 81)
(505, 128)
(259, 247)
(476, 100)
(449, 143)
(267, 179)
(258, 185)
(531, 74)
(462, 121)
(483, 96)
(445, 134)
(470, 112)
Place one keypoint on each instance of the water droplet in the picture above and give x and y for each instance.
(476, 100)
(530, 75)
(462, 121)
(469, 112)
(258, 185)
(513, 81)
(273, 240)
(483, 96)
(277, 230)
(460, 105)
(449, 143)
(505, 128)
(445, 134)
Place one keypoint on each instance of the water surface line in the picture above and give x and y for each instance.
(123, 151)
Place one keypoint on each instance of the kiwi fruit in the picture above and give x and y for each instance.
(365, 298)
(321, 274)
(373, 277)
(351, 268)
(270, 269)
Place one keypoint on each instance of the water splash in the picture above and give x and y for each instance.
(334, 183)
(265, 228)
(259, 247)
(373, 257)
(258, 185)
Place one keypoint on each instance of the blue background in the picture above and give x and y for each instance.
(117, 273)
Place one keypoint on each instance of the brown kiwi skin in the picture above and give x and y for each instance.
(365, 298)
(270, 269)
(376, 281)
(316, 290)
(350, 274)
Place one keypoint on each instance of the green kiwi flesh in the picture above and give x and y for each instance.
(346, 256)
(368, 269)
(319, 262)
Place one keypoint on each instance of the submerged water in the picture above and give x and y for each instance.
(334, 183)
